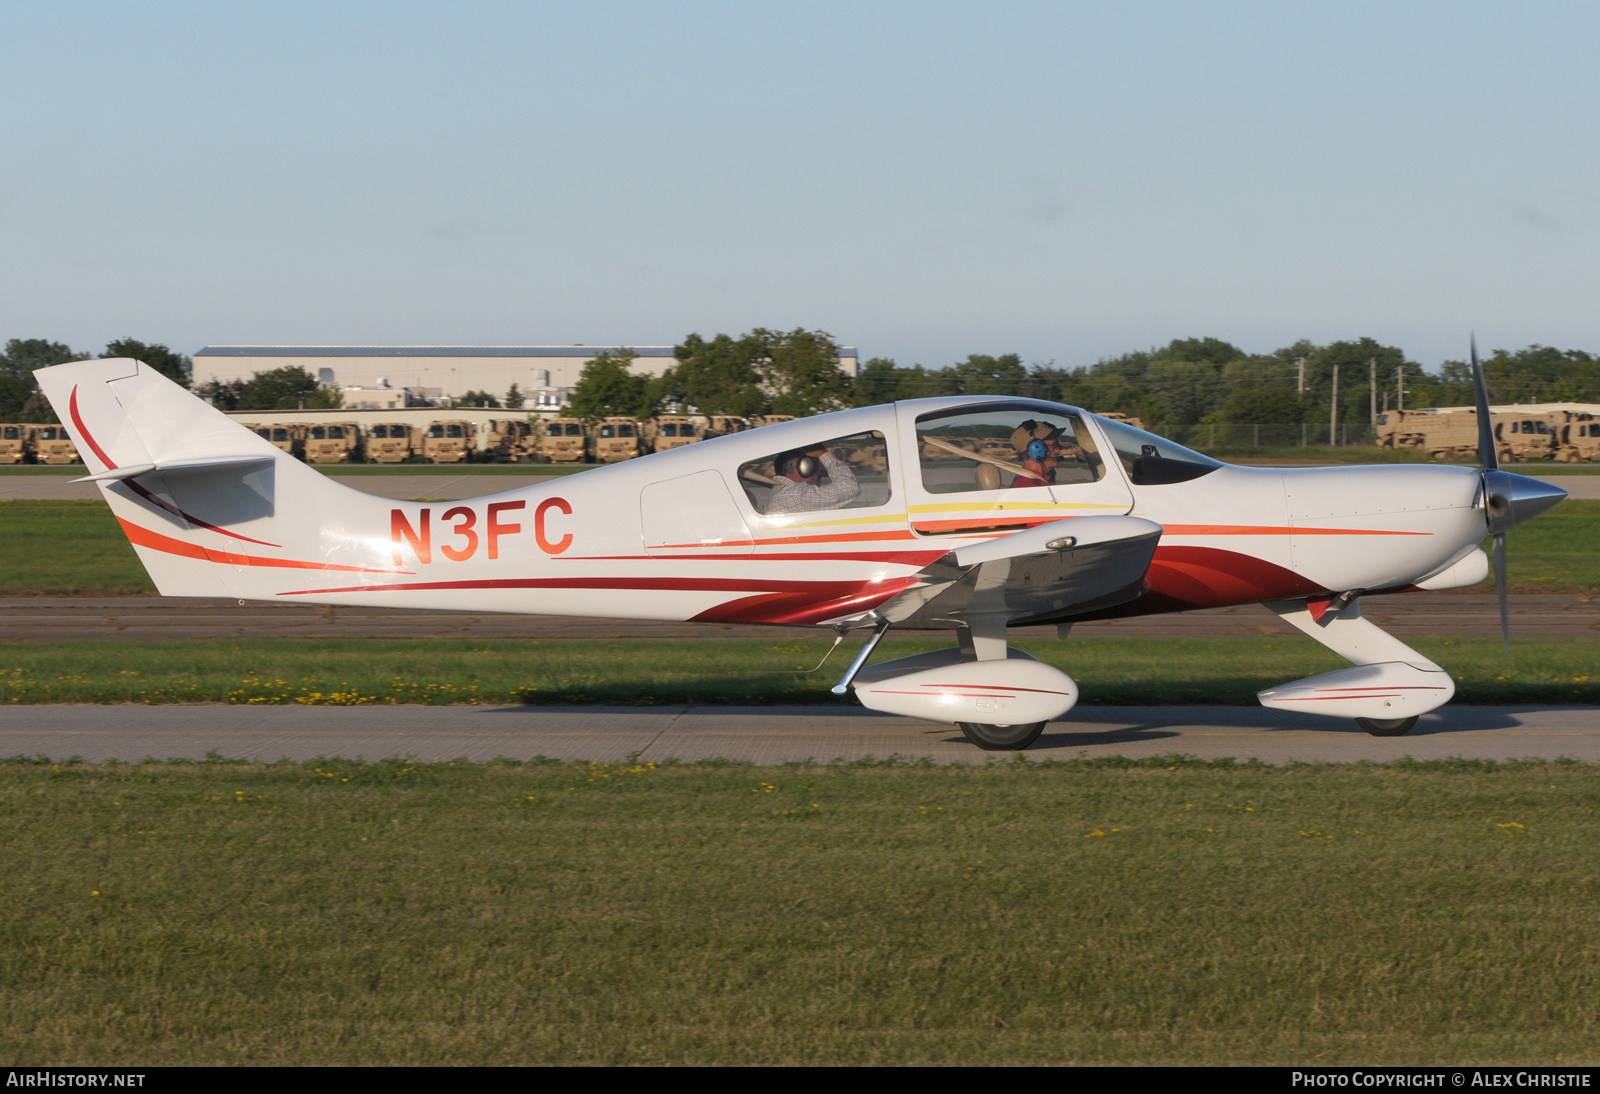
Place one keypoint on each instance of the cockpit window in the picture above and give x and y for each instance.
(1154, 461)
(844, 473)
(1000, 448)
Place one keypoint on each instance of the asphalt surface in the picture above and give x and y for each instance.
(767, 735)
(451, 487)
(143, 619)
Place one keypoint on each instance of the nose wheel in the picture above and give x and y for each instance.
(1387, 727)
(1007, 738)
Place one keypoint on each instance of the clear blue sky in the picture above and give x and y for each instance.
(925, 181)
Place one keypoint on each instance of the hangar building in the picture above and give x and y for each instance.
(545, 373)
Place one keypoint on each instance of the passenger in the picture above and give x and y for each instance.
(799, 488)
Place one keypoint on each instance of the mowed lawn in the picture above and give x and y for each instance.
(66, 548)
(1094, 912)
(365, 671)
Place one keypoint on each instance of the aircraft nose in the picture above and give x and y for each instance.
(1514, 499)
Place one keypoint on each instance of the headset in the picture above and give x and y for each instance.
(806, 466)
(1037, 451)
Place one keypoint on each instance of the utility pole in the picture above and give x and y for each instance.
(1300, 386)
(1400, 386)
(1333, 413)
(1372, 363)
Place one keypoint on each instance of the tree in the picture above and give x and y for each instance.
(479, 398)
(608, 388)
(174, 366)
(514, 397)
(20, 398)
(721, 376)
(880, 381)
(288, 388)
(799, 371)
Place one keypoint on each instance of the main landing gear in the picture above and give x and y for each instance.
(1387, 727)
(1002, 738)
(980, 679)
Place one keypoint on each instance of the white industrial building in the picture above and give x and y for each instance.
(379, 377)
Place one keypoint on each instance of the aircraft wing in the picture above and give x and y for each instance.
(1051, 571)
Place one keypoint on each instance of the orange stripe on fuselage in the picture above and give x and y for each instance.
(1271, 530)
(144, 537)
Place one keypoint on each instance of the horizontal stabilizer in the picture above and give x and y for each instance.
(204, 463)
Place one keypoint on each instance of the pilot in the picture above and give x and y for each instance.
(1039, 461)
(799, 489)
(1039, 446)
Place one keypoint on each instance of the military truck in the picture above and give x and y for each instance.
(668, 431)
(511, 440)
(1528, 435)
(1128, 419)
(13, 442)
(333, 442)
(564, 441)
(770, 419)
(53, 444)
(289, 437)
(1449, 433)
(1579, 439)
(391, 442)
(616, 439)
(721, 425)
(448, 442)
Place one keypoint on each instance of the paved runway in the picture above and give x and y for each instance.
(767, 735)
(451, 487)
(142, 619)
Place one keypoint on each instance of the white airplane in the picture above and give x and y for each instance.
(972, 514)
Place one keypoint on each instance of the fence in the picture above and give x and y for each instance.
(1206, 436)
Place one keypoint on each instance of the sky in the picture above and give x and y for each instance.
(924, 181)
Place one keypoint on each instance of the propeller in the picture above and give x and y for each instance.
(1508, 499)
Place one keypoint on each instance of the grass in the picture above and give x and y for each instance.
(74, 548)
(1122, 912)
(356, 672)
(67, 548)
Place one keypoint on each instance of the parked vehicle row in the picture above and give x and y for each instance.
(508, 440)
(29, 442)
(1568, 434)
(502, 440)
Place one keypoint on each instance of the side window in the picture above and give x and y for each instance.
(999, 449)
(844, 473)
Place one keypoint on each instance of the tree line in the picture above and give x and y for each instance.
(1188, 382)
(20, 398)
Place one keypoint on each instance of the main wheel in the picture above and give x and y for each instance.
(1387, 727)
(1003, 738)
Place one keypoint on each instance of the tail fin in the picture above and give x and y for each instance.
(201, 498)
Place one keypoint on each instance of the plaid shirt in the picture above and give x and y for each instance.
(789, 496)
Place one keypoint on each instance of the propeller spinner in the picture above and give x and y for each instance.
(1508, 499)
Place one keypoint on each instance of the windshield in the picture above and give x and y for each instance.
(1151, 460)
